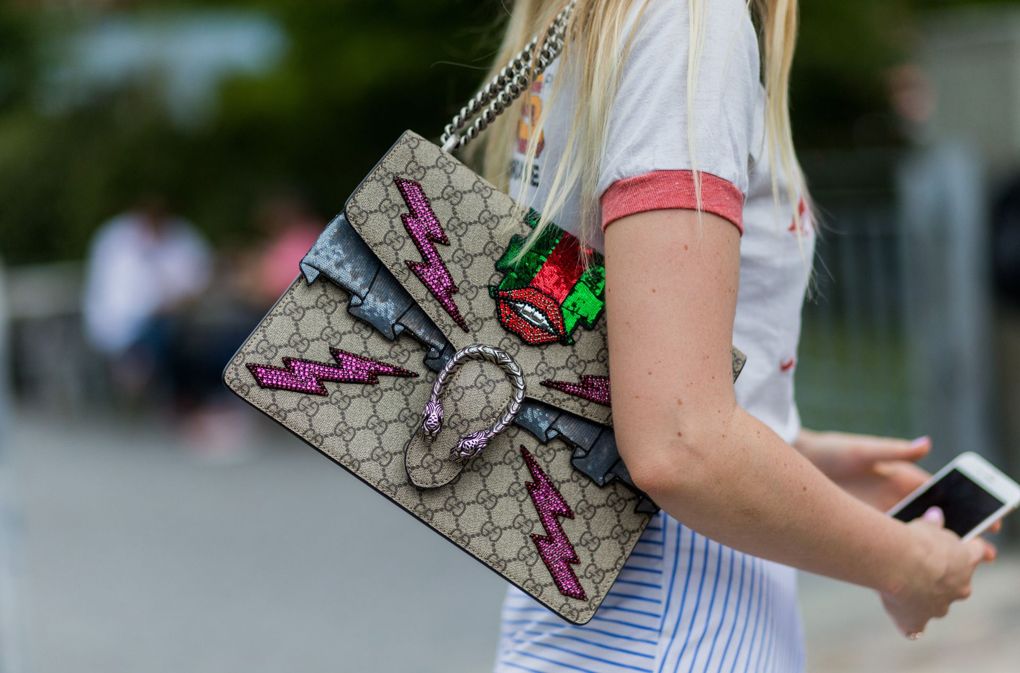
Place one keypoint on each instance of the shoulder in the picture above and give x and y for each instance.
(729, 12)
(689, 100)
(726, 41)
(690, 94)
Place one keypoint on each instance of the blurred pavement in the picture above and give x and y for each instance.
(139, 556)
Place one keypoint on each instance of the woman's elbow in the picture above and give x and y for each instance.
(664, 462)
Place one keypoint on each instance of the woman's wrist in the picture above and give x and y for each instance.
(906, 563)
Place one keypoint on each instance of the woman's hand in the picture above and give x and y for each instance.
(938, 574)
(878, 470)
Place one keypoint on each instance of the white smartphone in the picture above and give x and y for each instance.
(971, 493)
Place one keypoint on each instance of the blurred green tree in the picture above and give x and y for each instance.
(355, 74)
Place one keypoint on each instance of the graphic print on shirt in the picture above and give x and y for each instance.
(544, 297)
(555, 550)
(425, 230)
(531, 112)
(530, 115)
(801, 221)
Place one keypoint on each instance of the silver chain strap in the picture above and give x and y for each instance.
(508, 84)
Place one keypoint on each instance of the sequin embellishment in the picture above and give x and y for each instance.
(549, 292)
(306, 376)
(591, 388)
(424, 228)
(554, 548)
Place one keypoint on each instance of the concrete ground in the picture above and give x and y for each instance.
(136, 555)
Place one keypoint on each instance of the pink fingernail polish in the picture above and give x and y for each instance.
(933, 514)
(921, 441)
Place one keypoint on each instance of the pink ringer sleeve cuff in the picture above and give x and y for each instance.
(673, 189)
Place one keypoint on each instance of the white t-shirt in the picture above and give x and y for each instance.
(670, 598)
(648, 166)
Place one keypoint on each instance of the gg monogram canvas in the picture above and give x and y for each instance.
(416, 272)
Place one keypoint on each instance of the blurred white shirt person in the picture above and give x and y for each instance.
(142, 265)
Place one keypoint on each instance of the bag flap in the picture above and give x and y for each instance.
(441, 230)
(448, 236)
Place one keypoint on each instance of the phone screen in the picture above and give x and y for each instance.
(963, 502)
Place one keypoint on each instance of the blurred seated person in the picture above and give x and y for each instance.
(144, 268)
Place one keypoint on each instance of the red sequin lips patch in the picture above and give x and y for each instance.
(548, 289)
(530, 314)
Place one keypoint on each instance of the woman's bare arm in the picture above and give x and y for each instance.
(671, 296)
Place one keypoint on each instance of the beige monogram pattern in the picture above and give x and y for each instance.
(374, 430)
(478, 220)
(484, 507)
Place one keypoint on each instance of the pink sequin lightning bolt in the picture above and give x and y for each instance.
(554, 548)
(592, 388)
(423, 226)
(306, 376)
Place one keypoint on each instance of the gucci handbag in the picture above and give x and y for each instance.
(470, 390)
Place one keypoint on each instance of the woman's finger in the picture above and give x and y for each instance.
(908, 629)
(903, 475)
(934, 515)
(979, 551)
(991, 553)
(879, 449)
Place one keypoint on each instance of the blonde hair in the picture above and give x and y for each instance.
(595, 51)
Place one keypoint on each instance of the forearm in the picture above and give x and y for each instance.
(741, 484)
(671, 289)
